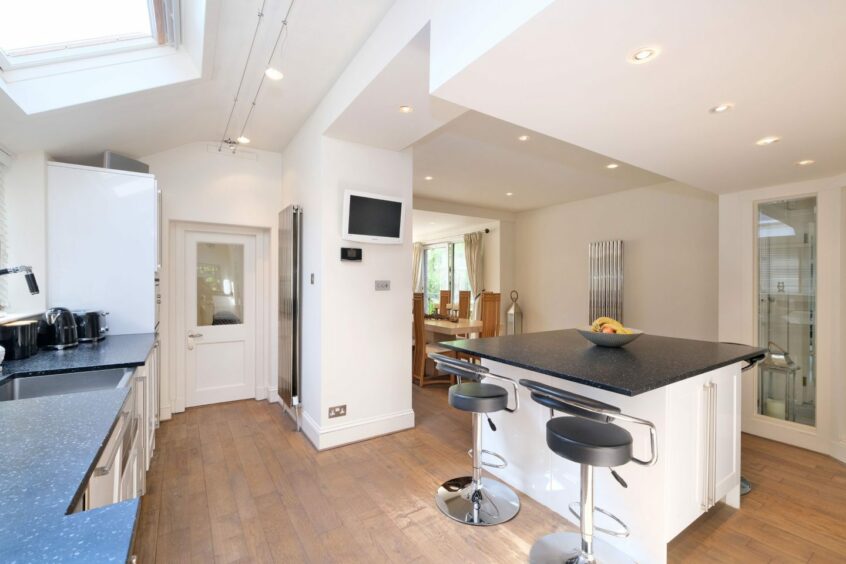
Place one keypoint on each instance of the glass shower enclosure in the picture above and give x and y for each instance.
(787, 291)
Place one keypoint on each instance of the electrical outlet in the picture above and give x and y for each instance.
(383, 285)
(337, 411)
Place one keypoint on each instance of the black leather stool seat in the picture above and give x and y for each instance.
(478, 398)
(589, 442)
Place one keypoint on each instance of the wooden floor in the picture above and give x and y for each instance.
(235, 483)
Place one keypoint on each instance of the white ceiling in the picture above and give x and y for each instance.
(427, 225)
(474, 159)
(566, 73)
(477, 159)
(374, 118)
(323, 37)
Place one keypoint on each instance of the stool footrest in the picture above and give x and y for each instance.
(576, 510)
(502, 462)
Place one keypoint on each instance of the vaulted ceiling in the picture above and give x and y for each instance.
(323, 36)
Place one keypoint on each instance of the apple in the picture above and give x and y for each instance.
(608, 329)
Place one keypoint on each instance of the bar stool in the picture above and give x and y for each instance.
(470, 499)
(587, 436)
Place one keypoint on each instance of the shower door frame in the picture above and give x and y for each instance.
(819, 437)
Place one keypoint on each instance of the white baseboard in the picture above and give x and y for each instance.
(165, 413)
(273, 395)
(838, 450)
(261, 392)
(339, 434)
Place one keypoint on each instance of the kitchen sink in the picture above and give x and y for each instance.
(25, 387)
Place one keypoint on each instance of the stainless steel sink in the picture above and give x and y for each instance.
(24, 387)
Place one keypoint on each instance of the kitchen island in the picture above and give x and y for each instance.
(689, 389)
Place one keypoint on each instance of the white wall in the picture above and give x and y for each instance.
(316, 170)
(202, 185)
(26, 209)
(366, 334)
(670, 260)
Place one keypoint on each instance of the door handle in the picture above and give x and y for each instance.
(191, 337)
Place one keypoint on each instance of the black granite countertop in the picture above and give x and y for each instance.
(48, 449)
(115, 351)
(648, 363)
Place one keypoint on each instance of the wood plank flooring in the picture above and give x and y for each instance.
(235, 483)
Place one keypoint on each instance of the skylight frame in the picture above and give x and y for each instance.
(103, 46)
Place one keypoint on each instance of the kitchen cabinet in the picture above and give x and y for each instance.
(120, 473)
(705, 435)
(104, 484)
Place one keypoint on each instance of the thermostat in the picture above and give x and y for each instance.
(350, 253)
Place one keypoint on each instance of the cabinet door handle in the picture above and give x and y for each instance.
(709, 489)
(110, 460)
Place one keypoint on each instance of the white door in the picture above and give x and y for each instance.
(220, 317)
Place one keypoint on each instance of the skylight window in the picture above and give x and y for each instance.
(47, 31)
(48, 25)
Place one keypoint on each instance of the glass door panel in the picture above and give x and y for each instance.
(437, 275)
(787, 287)
(220, 281)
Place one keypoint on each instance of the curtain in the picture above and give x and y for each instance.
(417, 267)
(473, 256)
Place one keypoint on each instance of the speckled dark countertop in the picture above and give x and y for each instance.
(645, 364)
(115, 351)
(48, 449)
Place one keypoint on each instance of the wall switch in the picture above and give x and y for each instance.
(383, 285)
(337, 411)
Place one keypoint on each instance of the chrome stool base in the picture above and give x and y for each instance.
(559, 548)
(495, 502)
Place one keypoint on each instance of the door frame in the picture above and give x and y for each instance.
(176, 315)
(739, 307)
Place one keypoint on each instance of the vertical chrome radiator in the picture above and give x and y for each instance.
(290, 314)
(606, 280)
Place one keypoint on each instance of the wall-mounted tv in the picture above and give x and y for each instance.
(373, 218)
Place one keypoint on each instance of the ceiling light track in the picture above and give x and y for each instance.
(282, 29)
(224, 140)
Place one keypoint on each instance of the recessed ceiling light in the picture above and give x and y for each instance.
(643, 55)
(523, 138)
(427, 178)
(805, 162)
(243, 140)
(432, 223)
(406, 109)
(612, 165)
(721, 108)
(769, 140)
(509, 193)
(273, 74)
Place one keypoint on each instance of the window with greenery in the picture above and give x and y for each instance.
(444, 268)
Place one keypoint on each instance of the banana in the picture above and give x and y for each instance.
(601, 322)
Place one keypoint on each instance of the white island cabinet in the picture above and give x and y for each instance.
(697, 419)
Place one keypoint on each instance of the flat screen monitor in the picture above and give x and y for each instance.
(373, 218)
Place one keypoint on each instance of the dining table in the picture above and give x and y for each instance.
(438, 330)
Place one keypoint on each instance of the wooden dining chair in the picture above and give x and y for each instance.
(464, 304)
(421, 349)
(443, 308)
(490, 314)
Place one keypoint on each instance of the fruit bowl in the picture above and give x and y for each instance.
(609, 339)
